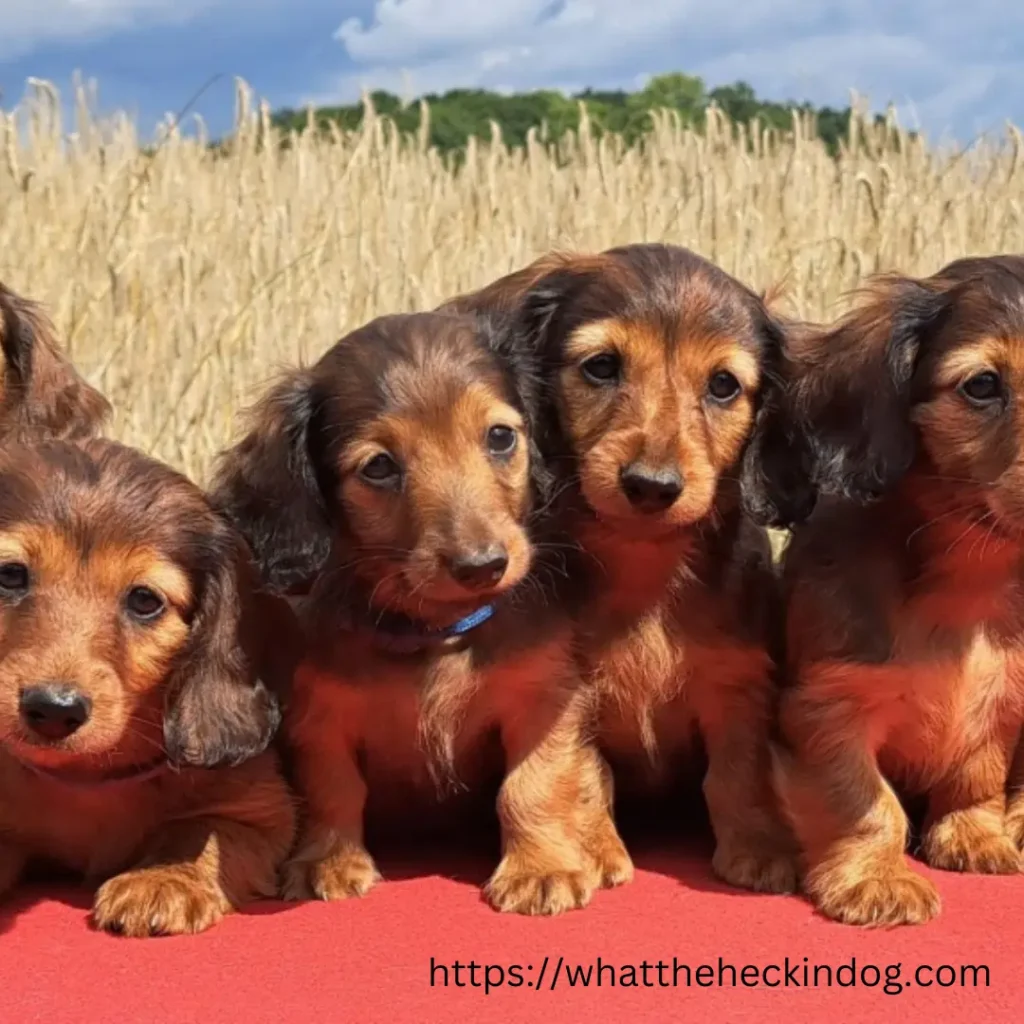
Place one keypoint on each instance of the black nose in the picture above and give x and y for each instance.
(651, 488)
(54, 710)
(481, 568)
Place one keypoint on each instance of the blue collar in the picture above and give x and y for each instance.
(407, 635)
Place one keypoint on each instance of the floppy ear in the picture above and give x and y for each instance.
(219, 711)
(522, 365)
(776, 475)
(268, 486)
(841, 422)
(43, 394)
(544, 313)
(853, 393)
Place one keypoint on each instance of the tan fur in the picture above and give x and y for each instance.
(558, 839)
(41, 393)
(671, 635)
(406, 736)
(176, 848)
(906, 636)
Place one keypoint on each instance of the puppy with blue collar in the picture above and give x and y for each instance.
(398, 486)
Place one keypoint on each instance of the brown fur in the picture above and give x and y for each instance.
(905, 614)
(673, 615)
(379, 734)
(166, 794)
(41, 393)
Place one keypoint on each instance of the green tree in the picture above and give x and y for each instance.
(461, 114)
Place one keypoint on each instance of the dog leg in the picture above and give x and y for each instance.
(331, 861)
(198, 869)
(847, 819)
(754, 847)
(967, 817)
(553, 803)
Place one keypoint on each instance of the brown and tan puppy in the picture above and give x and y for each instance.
(906, 593)
(399, 476)
(41, 393)
(133, 725)
(665, 374)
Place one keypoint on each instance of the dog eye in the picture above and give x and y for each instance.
(723, 386)
(501, 440)
(982, 388)
(380, 469)
(144, 604)
(13, 579)
(602, 369)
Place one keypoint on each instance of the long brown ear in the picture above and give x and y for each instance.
(777, 472)
(219, 710)
(854, 386)
(43, 394)
(267, 485)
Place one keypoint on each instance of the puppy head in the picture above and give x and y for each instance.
(122, 600)
(663, 366)
(41, 393)
(408, 447)
(922, 368)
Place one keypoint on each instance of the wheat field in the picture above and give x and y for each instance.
(181, 276)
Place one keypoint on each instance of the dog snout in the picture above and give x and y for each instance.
(480, 568)
(651, 488)
(53, 711)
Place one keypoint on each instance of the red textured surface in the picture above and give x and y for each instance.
(369, 960)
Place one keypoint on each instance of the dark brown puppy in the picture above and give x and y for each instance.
(400, 475)
(133, 726)
(665, 373)
(906, 613)
(41, 393)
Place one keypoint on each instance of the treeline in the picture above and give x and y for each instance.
(458, 114)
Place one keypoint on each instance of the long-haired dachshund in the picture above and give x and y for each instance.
(400, 475)
(905, 593)
(665, 374)
(41, 393)
(133, 723)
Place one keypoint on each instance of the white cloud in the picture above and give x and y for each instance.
(940, 58)
(28, 24)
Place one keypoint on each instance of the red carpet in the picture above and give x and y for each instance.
(369, 961)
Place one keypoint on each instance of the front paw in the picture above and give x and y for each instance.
(1015, 825)
(343, 874)
(614, 865)
(520, 888)
(761, 866)
(893, 897)
(158, 901)
(956, 843)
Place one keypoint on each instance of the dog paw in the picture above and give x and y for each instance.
(513, 889)
(897, 898)
(158, 901)
(1015, 826)
(956, 844)
(614, 865)
(348, 873)
(762, 870)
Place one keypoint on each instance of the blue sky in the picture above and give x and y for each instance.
(952, 67)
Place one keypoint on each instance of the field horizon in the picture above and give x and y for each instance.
(182, 276)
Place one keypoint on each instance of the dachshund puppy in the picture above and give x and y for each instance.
(133, 726)
(664, 371)
(41, 393)
(400, 478)
(905, 593)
